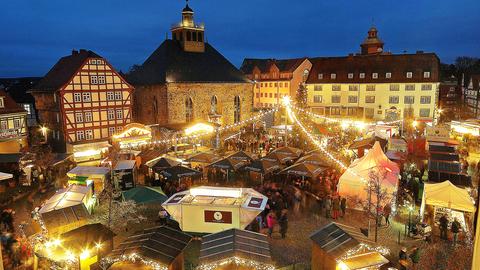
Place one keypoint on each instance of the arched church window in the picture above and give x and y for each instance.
(188, 110)
(213, 105)
(236, 109)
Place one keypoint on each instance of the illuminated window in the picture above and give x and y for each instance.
(88, 116)
(16, 123)
(409, 100)
(118, 95)
(236, 109)
(409, 74)
(317, 99)
(394, 99)
(352, 99)
(213, 104)
(89, 134)
(78, 117)
(111, 131)
(350, 75)
(3, 125)
(119, 114)
(110, 114)
(86, 97)
(188, 110)
(388, 75)
(320, 76)
(2, 104)
(375, 75)
(362, 75)
(335, 111)
(333, 76)
(77, 97)
(93, 80)
(426, 74)
(370, 99)
(26, 107)
(80, 135)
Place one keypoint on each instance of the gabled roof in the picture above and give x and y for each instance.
(334, 240)
(63, 71)
(396, 64)
(170, 63)
(159, 244)
(87, 236)
(284, 65)
(235, 243)
(17, 88)
(9, 105)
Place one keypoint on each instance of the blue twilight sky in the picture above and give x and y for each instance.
(36, 33)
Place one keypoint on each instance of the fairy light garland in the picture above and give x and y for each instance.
(363, 247)
(220, 129)
(134, 258)
(238, 262)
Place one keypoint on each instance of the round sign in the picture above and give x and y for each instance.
(217, 216)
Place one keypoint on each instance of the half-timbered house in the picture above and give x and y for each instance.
(83, 101)
(13, 125)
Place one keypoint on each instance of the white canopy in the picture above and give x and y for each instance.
(352, 183)
(447, 195)
(5, 176)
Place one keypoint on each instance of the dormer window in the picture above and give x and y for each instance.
(350, 75)
(2, 103)
(333, 76)
(426, 74)
(409, 74)
(374, 75)
(362, 75)
(320, 76)
(388, 75)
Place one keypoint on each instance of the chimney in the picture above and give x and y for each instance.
(74, 52)
(83, 51)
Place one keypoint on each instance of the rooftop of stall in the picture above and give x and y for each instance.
(85, 175)
(125, 165)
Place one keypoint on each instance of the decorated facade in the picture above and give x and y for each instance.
(13, 125)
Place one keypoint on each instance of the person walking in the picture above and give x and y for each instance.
(387, 210)
(403, 259)
(456, 227)
(328, 206)
(415, 257)
(336, 207)
(443, 227)
(343, 205)
(270, 223)
(283, 222)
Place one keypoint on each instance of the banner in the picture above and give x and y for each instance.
(218, 216)
(440, 133)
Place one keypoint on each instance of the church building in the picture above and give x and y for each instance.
(187, 80)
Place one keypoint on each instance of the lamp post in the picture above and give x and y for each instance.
(44, 130)
(410, 210)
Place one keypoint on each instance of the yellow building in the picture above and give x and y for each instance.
(375, 84)
(83, 101)
(13, 125)
(275, 79)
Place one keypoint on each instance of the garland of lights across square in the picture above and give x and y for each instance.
(238, 262)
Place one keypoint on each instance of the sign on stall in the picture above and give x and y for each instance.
(218, 216)
(439, 133)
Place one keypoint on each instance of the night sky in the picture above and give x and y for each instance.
(35, 34)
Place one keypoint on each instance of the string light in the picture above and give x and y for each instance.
(133, 257)
(362, 247)
(238, 262)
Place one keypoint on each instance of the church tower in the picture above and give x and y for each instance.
(372, 44)
(190, 35)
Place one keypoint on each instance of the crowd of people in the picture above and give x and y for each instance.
(14, 248)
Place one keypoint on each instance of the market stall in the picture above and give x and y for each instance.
(314, 159)
(133, 136)
(228, 166)
(180, 173)
(289, 151)
(303, 170)
(89, 175)
(446, 198)
(353, 181)
(67, 209)
(261, 167)
(144, 195)
(242, 156)
(126, 174)
(213, 209)
(235, 249)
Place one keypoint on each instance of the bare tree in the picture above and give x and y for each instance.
(119, 214)
(377, 196)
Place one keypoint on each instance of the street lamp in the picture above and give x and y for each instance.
(410, 211)
(44, 130)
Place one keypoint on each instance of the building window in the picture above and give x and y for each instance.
(351, 111)
(394, 87)
(393, 99)
(3, 124)
(362, 75)
(16, 123)
(80, 135)
(336, 99)
(424, 112)
(270, 95)
(320, 76)
(188, 110)
(257, 85)
(369, 113)
(119, 114)
(58, 117)
(336, 87)
(409, 87)
(118, 95)
(111, 131)
(409, 75)
(426, 74)
(77, 97)
(86, 97)
(276, 95)
(353, 87)
(374, 75)
(78, 117)
(317, 99)
(333, 76)
(110, 96)
(335, 111)
(388, 75)
(236, 109)
(257, 95)
(317, 88)
(119, 129)
(350, 75)
(110, 114)
(370, 99)
(426, 87)
(425, 99)
(2, 103)
(352, 99)
(88, 116)
(93, 80)
(409, 100)
(101, 79)
(275, 84)
(270, 84)
(213, 104)
(89, 134)
(26, 107)
(370, 87)
(408, 112)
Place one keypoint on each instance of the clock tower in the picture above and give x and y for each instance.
(372, 44)
(190, 35)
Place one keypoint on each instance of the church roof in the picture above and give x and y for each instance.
(170, 63)
(64, 70)
(187, 9)
(396, 64)
(284, 65)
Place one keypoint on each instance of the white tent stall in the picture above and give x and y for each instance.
(213, 209)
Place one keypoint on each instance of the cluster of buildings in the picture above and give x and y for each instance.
(83, 101)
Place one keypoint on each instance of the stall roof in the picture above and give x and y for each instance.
(242, 156)
(73, 195)
(86, 236)
(5, 176)
(125, 165)
(235, 243)
(368, 143)
(203, 157)
(304, 169)
(159, 244)
(446, 194)
(365, 260)
(290, 151)
(142, 194)
(89, 171)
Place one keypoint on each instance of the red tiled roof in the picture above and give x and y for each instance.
(9, 105)
(283, 65)
(397, 64)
